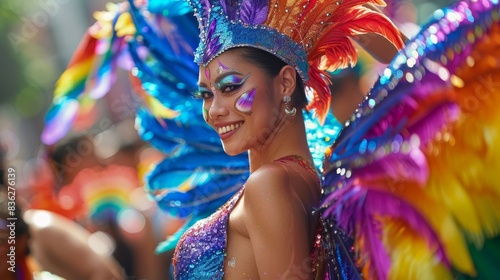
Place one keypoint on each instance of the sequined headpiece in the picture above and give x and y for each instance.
(311, 35)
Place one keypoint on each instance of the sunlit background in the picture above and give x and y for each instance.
(38, 38)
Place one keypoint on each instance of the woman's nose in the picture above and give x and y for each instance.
(218, 108)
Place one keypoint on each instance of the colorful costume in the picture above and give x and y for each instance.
(393, 180)
(201, 251)
(413, 174)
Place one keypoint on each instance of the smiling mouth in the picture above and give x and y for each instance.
(229, 128)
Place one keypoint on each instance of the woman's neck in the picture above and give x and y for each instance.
(289, 138)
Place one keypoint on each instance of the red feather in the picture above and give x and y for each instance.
(335, 51)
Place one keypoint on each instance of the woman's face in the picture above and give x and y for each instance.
(240, 101)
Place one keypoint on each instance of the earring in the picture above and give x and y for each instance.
(291, 112)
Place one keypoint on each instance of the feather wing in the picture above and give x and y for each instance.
(416, 163)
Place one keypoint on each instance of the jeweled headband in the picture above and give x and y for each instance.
(311, 35)
(228, 24)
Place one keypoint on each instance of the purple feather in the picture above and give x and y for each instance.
(395, 167)
(212, 42)
(357, 206)
(387, 204)
(205, 5)
(230, 7)
(406, 109)
(435, 121)
(254, 12)
(380, 259)
(425, 128)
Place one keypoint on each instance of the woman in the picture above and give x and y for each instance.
(415, 210)
(253, 95)
(253, 90)
(270, 224)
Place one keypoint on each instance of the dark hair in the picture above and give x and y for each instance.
(273, 65)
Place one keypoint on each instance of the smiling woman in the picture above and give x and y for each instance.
(255, 60)
(252, 84)
(269, 226)
(245, 104)
(408, 189)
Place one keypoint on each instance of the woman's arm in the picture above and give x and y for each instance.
(277, 225)
(61, 246)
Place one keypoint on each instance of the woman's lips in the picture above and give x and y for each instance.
(227, 130)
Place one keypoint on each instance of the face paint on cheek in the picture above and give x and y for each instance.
(245, 102)
(205, 114)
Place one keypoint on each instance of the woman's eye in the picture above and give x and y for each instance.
(203, 95)
(206, 94)
(229, 88)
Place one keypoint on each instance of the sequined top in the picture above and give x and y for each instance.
(201, 250)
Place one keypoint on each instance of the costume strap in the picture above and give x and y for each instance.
(304, 163)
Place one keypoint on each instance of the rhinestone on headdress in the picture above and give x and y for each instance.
(227, 24)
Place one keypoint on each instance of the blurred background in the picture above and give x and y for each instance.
(38, 39)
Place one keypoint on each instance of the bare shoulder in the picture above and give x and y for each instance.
(270, 188)
(269, 179)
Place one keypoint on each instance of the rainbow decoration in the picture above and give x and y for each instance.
(104, 192)
(92, 72)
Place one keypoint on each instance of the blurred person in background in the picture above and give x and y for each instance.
(47, 244)
(16, 260)
(96, 183)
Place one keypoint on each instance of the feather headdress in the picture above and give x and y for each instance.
(311, 35)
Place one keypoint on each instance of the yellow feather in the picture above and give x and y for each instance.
(440, 218)
(463, 159)
(410, 255)
(125, 25)
(159, 110)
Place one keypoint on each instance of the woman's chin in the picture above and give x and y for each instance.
(232, 150)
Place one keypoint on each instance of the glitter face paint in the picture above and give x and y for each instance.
(207, 73)
(221, 68)
(245, 102)
(205, 114)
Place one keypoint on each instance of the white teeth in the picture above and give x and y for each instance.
(228, 128)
